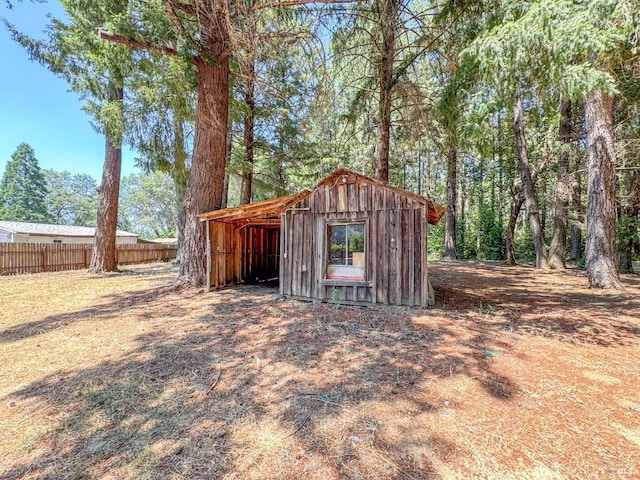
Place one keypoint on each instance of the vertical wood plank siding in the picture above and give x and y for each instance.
(242, 253)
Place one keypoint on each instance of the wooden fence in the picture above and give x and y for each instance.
(54, 257)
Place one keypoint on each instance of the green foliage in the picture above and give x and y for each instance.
(160, 116)
(356, 241)
(628, 234)
(435, 241)
(560, 43)
(491, 235)
(161, 91)
(366, 66)
(524, 245)
(71, 199)
(286, 156)
(23, 188)
(149, 205)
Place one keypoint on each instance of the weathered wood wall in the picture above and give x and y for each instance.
(241, 254)
(395, 245)
(54, 257)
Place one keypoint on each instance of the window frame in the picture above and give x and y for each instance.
(326, 245)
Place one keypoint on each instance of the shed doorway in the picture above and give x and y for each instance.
(261, 255)
(243, 243)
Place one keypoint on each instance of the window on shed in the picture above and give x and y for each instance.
(346, 251)
(57, 241)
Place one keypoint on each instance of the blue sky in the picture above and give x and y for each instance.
(36, 107)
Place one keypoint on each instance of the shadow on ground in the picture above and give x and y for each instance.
(523, 300)
(247, 382)
(251, 387)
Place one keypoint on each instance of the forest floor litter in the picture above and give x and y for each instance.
(514, 374)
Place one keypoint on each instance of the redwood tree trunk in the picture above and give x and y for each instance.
(206, 179)
(104, 258)
(450, 226)
(527, 184)
(601, 193)
(558, 248)
(388, 19)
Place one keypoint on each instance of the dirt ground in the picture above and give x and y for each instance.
(515, 374)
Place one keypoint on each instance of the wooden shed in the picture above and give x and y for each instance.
(351, 239)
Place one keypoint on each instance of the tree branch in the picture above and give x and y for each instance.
(292, 3)
(183, 7)
(264, 84)
(172, 7)
(279, 35)
(134, 43)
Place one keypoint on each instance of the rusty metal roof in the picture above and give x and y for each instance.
(266, 209)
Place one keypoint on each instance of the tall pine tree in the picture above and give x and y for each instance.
(96, 71)
(23, 188)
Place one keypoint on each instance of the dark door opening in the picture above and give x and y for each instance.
(261, 259)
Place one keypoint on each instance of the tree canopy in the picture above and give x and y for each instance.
(71, 199)
(500, 109)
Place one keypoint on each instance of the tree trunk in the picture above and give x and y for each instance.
(480, 204)
(225, 187)
(630, 237)
(180, 169)
(517, 200)
(558, 248)
(225, 191)
(576, 243)
(626, 260)
(601, 193)
(577, 211)
(527, 184)
(388, 20)
(104, 258)
(461, 211)
(578, 214)
(249, 123)
(180, 176)
(206, 179)
(625, 246)
(450, 226)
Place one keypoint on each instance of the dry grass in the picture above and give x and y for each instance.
(515, 375)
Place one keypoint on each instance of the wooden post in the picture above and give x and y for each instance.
(399, 254)
(424, 287)
(431, 299)
(372, 253)
(208, 255)
(411, 262)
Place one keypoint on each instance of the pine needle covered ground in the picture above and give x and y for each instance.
(515, 374)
